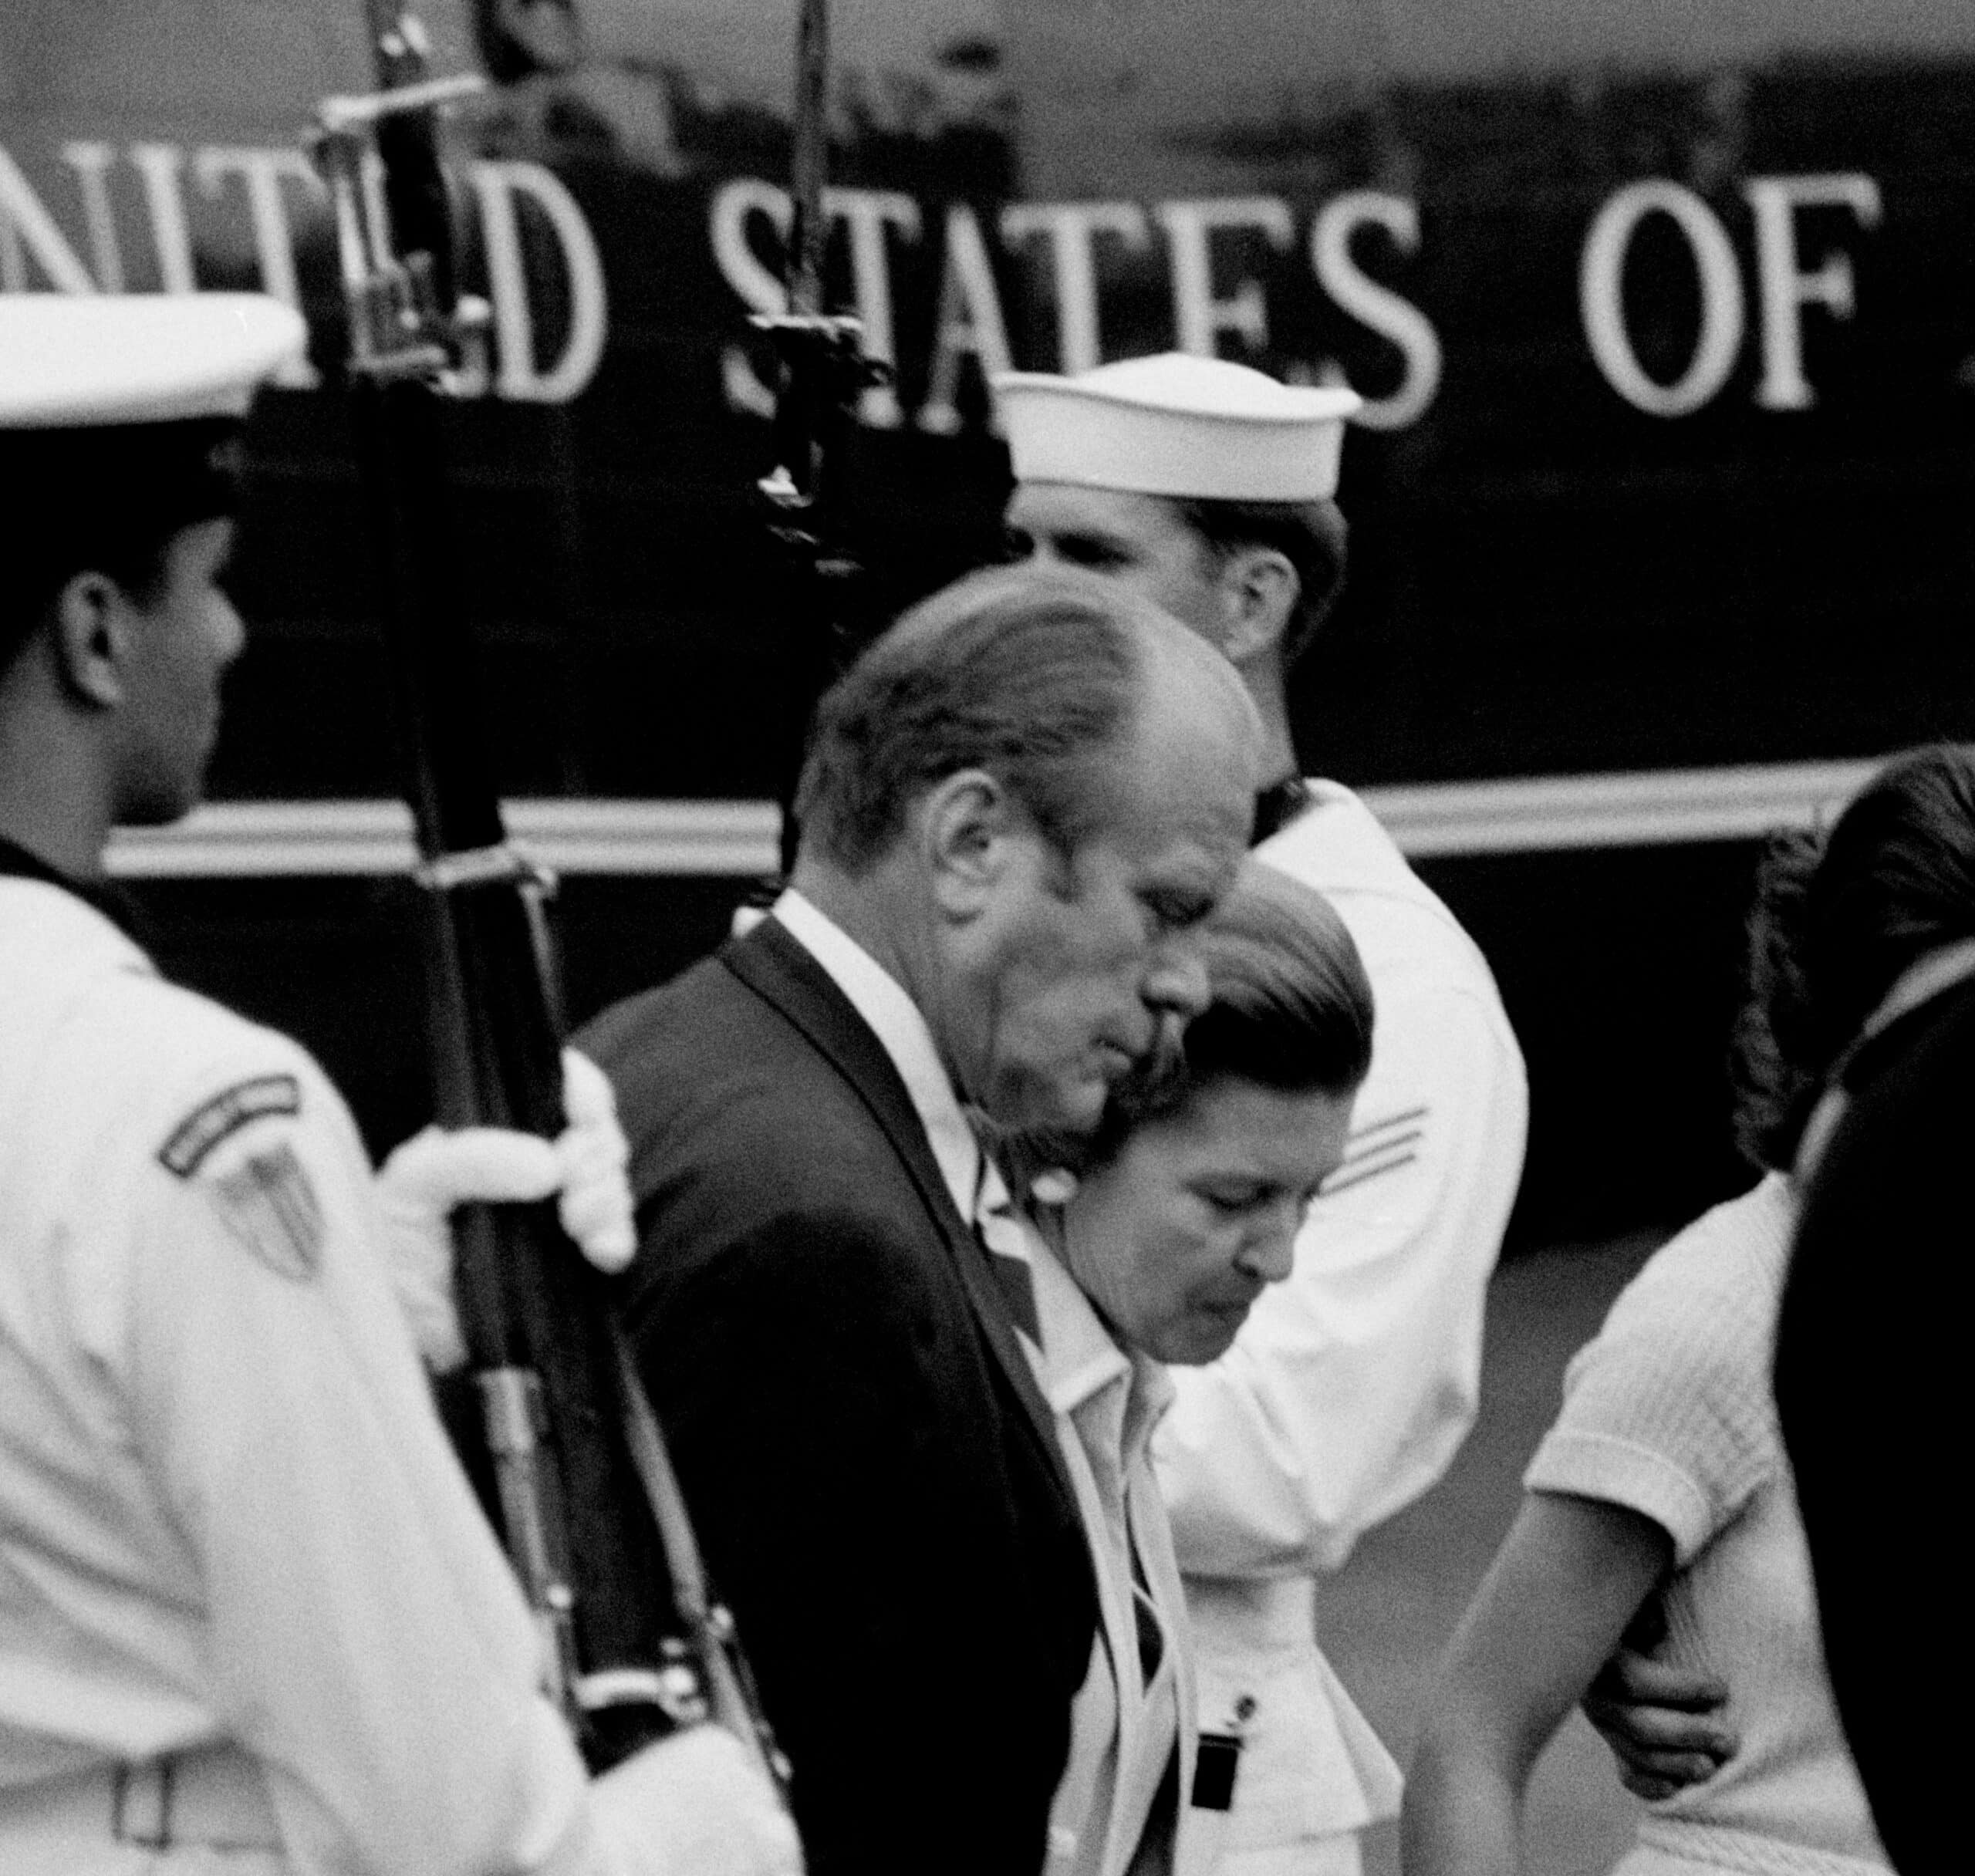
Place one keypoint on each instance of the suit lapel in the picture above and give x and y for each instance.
(777, 968)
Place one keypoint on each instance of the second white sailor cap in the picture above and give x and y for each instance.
(1197, 428)
(86, 361)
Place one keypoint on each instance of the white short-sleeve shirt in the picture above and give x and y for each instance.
(1669, 1412)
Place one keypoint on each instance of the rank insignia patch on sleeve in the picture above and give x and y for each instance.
(268, 1204)
(202, 1130)
(1377, 1146)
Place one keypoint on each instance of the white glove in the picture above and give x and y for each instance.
(422, 1181)
(590, 1154)
(694, 1804)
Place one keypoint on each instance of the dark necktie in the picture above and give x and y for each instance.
(1277, 805)
(1150, 1645)
(1001, 1235)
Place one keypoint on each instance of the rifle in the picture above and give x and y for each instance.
(822, 372)
(634, 1645)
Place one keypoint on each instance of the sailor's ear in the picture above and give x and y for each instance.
(91, 630)
(1259, 589)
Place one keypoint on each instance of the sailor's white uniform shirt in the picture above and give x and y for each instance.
(228, 1515)
(1352, 1383)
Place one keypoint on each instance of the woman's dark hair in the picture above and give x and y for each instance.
(1290, 1006)
(1838, 919)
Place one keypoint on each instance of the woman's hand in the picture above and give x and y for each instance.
(1658, 1719)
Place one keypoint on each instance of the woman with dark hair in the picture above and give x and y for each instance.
(1185, 1209)
(1662, 1495)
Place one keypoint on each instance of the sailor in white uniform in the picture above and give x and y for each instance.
(251, 1616)
(1210, 487)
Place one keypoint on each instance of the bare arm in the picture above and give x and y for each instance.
(1568, 1579)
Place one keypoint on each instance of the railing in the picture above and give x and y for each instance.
(738, 838)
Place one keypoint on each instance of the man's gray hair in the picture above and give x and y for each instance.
(1033, 675)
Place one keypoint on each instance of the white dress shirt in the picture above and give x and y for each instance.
(1126, 1725)
(893, 1018)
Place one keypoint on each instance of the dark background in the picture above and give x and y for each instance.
(1545, 582)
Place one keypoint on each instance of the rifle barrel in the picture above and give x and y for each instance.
(809, 159)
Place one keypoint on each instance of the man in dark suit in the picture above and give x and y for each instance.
(1017, 809)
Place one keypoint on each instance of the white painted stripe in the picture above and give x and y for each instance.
(1648, 808)
(737, 839)
(708, 839)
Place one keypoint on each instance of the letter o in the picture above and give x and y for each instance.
(1600, 299)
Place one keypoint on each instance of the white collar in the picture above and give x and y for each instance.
(1342, 846)
(50, 917)
(1081, 1360)
(894, 1019)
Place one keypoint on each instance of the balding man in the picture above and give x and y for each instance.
(1018, 808)
(1209, 488)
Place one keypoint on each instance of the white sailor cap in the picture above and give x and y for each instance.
(87, 361)
(1198, 429)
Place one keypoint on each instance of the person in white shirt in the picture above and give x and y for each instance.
(1184, 1208)
(1665, 1486)
(1210, 488)
(250, 1613)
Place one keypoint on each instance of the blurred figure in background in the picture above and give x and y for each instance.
(555, 100)
(1664, 1491)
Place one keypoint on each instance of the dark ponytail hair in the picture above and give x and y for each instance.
(1838, 920)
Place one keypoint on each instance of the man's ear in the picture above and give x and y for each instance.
(1259, 589)
(963, 825)
(91, 639)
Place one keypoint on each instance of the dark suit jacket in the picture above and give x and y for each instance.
(1872, 1388)
(870, 1467)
